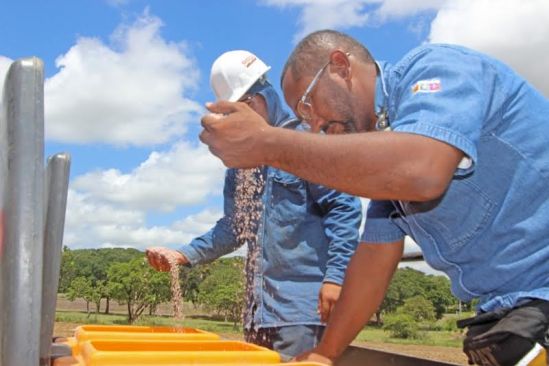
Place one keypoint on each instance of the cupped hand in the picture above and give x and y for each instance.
(160, 257)
(235, 133)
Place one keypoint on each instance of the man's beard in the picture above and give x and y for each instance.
(339, 127)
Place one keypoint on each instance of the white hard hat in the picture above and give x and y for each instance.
(234, 72)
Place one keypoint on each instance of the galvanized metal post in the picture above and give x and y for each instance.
(22, 210)
(57, 182)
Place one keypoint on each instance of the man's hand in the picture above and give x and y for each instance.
(158, 258)
(314, 356)
(235, 133)
(327, 297)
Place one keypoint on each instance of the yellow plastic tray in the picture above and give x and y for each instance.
(77, 361)
(125, 332)
(153, 352)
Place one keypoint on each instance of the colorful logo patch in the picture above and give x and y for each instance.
(426, 86)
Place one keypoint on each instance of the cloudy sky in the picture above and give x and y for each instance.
(126, 81)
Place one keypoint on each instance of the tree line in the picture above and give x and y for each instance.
(123, 275)
(114, 274)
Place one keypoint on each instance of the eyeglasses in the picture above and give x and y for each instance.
(305, 109)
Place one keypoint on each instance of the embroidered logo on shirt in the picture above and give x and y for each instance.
(426, 86)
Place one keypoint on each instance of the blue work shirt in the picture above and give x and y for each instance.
(489, 232)
(306, 236)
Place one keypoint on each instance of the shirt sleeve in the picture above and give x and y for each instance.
(220, 240)
(342, 215)
(379, 227)
(442, 93)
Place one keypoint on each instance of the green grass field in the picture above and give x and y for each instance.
(369, 334)
(203, 323)
(430, 338)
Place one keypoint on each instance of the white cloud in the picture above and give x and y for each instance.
(321, 14)
(90, 224)
(200, 223)
(109, 208)
(184, 175)
(399, 9)
(344, 14)
(514, 31)
(129, 92)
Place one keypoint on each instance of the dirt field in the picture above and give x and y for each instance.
(443, 354)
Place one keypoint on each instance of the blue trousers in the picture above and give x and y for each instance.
(289, 341)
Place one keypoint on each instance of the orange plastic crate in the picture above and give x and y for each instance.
(153, 352)
(77, 361)
(125, 332)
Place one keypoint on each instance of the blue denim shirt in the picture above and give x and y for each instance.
(489, 232)
(307, 234)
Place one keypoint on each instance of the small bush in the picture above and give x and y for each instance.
(419, 308)
(450, 325)
(402, 326)
(434, 326)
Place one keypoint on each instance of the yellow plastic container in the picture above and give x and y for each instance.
(134, 333)
(127, 332)
(153, 352)
(77, 361)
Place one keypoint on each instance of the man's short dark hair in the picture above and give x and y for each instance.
(312, 52)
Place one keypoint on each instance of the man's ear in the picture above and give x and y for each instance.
(340, 63)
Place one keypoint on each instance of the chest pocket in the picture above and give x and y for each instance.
(288, 197)
(456, 217)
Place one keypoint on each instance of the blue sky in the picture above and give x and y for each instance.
(126, 81)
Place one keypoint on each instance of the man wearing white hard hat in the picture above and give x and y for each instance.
(306, 233)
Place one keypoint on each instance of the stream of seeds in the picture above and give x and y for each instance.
(176, 290)
(247, 213)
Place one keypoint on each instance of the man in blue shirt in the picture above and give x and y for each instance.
(304, 237)
(456, 156)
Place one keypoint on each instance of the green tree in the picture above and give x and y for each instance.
(401, 326)
(419, 308)
(67, 271)
(93, 264)
(82, 288)
(138, 285)
(223, 290)
(408, 283)
(440, 295)
(190, 279)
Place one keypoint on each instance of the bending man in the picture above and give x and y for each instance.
(455, 155)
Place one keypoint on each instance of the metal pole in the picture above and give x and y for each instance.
(57, 182)
(22, 208)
